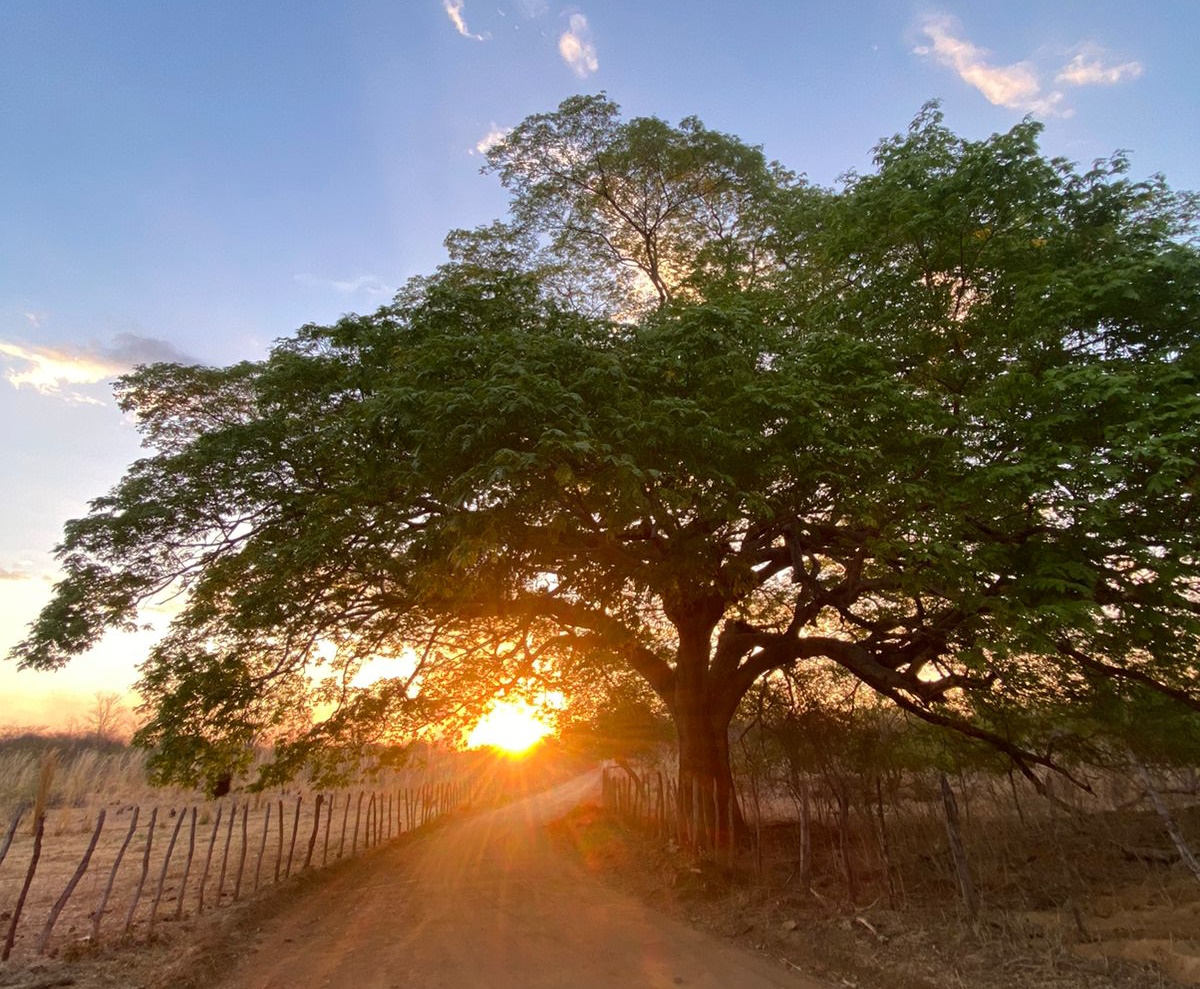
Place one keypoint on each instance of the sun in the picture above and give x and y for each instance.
(512, 726)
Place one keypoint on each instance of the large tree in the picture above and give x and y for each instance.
(684, 414)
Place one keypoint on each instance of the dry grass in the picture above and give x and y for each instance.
(80, 777)
(1077, 892)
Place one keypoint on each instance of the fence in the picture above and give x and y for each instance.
(652, 799)
(152, 868)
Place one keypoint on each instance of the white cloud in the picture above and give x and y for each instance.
(1088, 69)
(49, 370)
(454, 10)
(1016, 86)
(489, 140)
(36, 318)
(534, 8)
(576, 48)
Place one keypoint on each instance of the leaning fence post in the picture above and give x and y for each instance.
(262, 845)
(237, 883)
(345, 818)
(61, 902)
(212, 841)
(145, 869)
(39, 829)
(1164, 815)
(187, 869)
(328, 824)
(112, 876)
(137, 893)
(312, 838)
(12, 830)
(966, 887)
(292, 844)
(279, 846)
(357, 818)
(225, 853)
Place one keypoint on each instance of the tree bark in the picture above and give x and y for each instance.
(702, 713)
(702, 693)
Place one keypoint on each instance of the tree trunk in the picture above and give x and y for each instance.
(705, 777)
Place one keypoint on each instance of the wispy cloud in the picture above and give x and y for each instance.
(533, 8)
(454, 10)
(489, 140)
(51, 370)
(7, 573)
(1088, 68)
(1019, 85)
(1016, 86)
(370, 285)
(576, 48)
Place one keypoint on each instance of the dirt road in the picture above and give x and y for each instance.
(489, 901)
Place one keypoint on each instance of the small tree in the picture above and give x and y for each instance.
(108, 718)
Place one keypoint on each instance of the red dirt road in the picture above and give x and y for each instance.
(489, 901)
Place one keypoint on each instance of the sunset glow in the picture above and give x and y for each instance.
(513, 726)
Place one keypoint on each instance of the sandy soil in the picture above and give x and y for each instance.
(489, 900)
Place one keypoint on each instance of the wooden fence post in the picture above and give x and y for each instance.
(1164, 815)
(187, 868)
(12, 830)
(292, 844)
(237, 883)
(61, 902)
(345, 818)
(225, 853)
(137, 893)
(212, 842)
(357, 819)
(328, 822)
(39, 829)
(957, 851)
(112, 876)
(262, 845)
(312, 838)
(162, 874)
(279, 845)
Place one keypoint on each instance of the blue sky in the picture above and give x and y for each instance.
(193, 180)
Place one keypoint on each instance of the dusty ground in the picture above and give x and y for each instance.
(1094, 903)
(490, 900)
(487, 900)
(501, 899)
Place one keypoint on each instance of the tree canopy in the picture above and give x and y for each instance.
(687, 416)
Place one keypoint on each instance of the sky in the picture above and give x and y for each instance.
(193, 180)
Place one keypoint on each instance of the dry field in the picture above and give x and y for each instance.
(1072, 894)
(117, 861)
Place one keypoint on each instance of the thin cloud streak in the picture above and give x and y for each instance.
(1088, 69)
(576, 48)
(454, 10)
